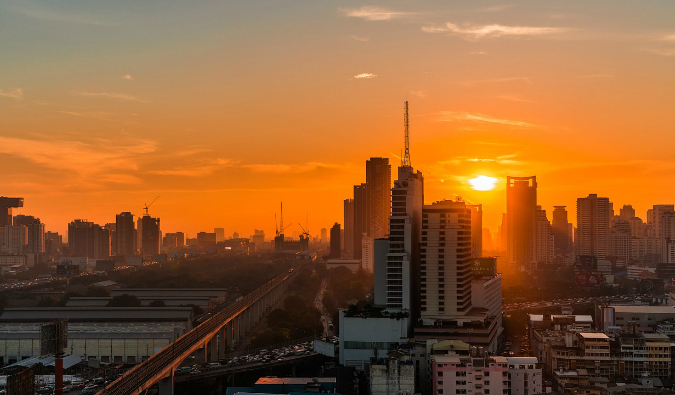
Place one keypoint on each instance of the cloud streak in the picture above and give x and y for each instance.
(291, 168)
(451, 116)
(369, 13)
(111, 95)
(197, 171)
(13, 94)
(365, 76)
(37, 11)
(494, 30)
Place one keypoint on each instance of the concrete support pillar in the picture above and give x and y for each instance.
(166, 385)
(223, 348)
(237, 329)
(229, 335)
(203, 354)
(247, 322)
(212, 346)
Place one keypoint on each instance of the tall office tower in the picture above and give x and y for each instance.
(627, 211)
(445, 260)
(592, 226)
(378, 186)
(487, 240)
(476, 229)
(6, 206)
(405, 227)
(349, 228)
(220, 234)
(637, 227)
(667, 239)
(335, 250)
(544, 238)
(559, 227)
(360, 217)
(620, 240)
(13, 239)
(521, 221)
(125, 234)
(324, 235)
(87, 239)
(35, 242)
(150, 235)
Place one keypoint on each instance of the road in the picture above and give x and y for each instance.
(326, 319)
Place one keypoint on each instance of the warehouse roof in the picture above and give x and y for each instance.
(89, 314)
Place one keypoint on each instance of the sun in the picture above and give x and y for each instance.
(483, 183)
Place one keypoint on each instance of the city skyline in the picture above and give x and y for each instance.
(224, 119)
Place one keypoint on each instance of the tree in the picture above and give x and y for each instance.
(125, 300)
(157, 303)
(94, 291)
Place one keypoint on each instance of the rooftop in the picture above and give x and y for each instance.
(644, 309)
(587, 335)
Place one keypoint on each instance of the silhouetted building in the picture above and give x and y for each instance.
(378, 181)
(521, 221)
(258, 238)
(174, 240)
(53, 244)
(150, 235)
(349, 228)
(544, 238)
(593, 214)
(13, 239)
(627, 211)
(125, 234)
(619, 240)
(35, 238)
(324, 235)
(6, 206)
(87, 239)
(220, 234)
(360, 218)
(335, 250)
(560, 228)
(207, 238)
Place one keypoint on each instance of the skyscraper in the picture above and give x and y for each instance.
(87, 239)
(335, 250)
(627, 211)
(445, 260)
(35, 241)
(592, 226)
(150, 235)
(521, 221)
(349, 228)
(6, 205)
(476, 229)
(559, 227)
(125, 232)
(544, 238)
(360, 218)
(378, 187)
(405, 227)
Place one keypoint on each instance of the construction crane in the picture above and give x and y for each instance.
(305, 230)
(281, 228)
(147, 206)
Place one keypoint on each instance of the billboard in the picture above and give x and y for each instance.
(586, 278)
(484, 266)
(53, 338)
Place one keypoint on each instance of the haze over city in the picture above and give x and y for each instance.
(224, 109)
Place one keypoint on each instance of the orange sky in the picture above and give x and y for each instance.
(225, 109)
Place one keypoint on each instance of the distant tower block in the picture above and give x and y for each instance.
(6, 206)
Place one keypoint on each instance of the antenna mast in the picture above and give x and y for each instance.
(281, 221)
(406, 157)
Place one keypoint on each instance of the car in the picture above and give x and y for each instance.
(195, 372)
(89, 390)
(215, 365)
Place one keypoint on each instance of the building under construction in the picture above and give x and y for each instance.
(281, 243)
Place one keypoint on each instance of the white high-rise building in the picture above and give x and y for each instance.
(14, 239)
(445, 261)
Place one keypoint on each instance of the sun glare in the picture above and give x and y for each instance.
(483, 183)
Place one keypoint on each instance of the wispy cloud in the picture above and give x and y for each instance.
(198, 170)
(42, 12)
(419, 93)
(663, 51)
(515, 98)
(111, 95)
(450, 116)
(365, 76)
(477, 53)
(670, 37)
(127, 77)
(78, 157)
(291, 168)
(13, 94)
(362, 39)
(90, 114)
(495, 30)
(495, 8)
(370, 13)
